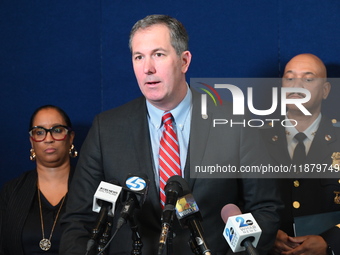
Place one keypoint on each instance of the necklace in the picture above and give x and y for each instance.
(45, 244)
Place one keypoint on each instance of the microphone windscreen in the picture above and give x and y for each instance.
(228, 211)
(138, 185)
(179, 180)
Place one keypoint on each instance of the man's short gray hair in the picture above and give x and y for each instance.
(178, 34)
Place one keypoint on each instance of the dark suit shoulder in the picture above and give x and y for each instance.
(17, 183)
(124, 109)
(132, 105)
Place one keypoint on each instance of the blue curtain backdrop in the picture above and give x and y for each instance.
(75, 54)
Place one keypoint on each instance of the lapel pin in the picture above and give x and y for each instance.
(275, 138)
(328, 138)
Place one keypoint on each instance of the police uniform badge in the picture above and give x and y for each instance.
(336, 160)
(337, 197)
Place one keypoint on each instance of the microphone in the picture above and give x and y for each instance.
(133, 196)
(135, 190)
(189, 216)
(104, 202)
(106, 196)
(173, 189)
(241, 231)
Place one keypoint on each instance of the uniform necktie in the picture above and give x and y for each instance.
(169, 160)
(299, 155)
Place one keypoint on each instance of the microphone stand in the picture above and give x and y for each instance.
(105, 236)
(196, 249)
(137, 241)
(169, 245)
(193, 245)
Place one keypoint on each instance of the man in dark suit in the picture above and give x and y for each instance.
(126, 140)
(321, 139)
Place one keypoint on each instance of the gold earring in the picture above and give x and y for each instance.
(73, 153)
(33, 155)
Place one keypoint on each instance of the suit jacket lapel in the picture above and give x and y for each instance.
(199, 134)
(140, 132)
(197, 141)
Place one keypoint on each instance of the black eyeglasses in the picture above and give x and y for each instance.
(58, 133)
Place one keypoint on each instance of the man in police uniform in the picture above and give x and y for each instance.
(319, 144)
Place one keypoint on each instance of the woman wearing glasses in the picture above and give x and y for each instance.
(31, 205)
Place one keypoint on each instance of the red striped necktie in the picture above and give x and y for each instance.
(169, 160)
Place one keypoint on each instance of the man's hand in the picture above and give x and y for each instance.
(307, 245)
(282, 243)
